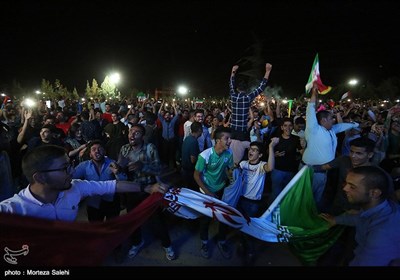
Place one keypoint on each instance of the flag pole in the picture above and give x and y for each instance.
(284, 192)
(290, 106)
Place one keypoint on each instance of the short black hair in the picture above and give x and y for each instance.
(141, 127)
(50, 127)
(94, 142)
(322, 115)
(259, 145)
(241, 84)
(220, 130)
(40, 158)
(299, 120)
(363, 142)
(196, 127)
(375, 178)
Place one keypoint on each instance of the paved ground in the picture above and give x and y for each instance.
(186, 243)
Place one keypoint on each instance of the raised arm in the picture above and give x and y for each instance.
(251, 118)
(270, 165)
(314, 94)
(21, 136)
(268, 68)
(161, 106)
(234, 69)
(232, 87)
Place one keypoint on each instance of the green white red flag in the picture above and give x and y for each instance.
(315, 77)
(292, 217)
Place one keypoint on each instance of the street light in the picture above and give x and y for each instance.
(353, 82)
(182, 90)
(114, 79)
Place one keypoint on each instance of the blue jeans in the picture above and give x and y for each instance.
(318, 187)
(251, 208)
(279, 180)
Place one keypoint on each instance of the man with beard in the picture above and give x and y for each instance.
(361, 153)
(99, 168)
(377, 224)
(53, 194)
(168, 141)
(141, 163)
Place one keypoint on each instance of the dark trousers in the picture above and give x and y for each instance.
(342, 251)
(168, 152)
(158, 220)
(250, 208)
(188, 179)
(240, 135)
(205, 221)
(107, 210)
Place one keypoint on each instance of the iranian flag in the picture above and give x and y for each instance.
(315, 77)
(292, 217)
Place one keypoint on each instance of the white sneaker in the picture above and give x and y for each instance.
(169, 253)
(134, 250)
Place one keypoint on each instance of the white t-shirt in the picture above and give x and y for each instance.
(253, 179)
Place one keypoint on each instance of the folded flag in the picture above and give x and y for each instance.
(316, 78)
(292, 217)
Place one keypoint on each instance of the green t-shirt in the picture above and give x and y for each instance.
(213, 168)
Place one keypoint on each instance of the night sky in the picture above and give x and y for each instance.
(155, 44)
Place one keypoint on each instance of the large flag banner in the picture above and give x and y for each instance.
(315, 77)
(292, 217)
(29, 241)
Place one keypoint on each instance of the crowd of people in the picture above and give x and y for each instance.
(121, 148)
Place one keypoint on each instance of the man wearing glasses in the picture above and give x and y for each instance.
(53, 194)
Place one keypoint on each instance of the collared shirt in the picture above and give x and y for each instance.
(148, 155)
(377, 234)
(241, 102)
(87, 170)
(204, 139)
(66, 206)
(168, 128)
(321, 142)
